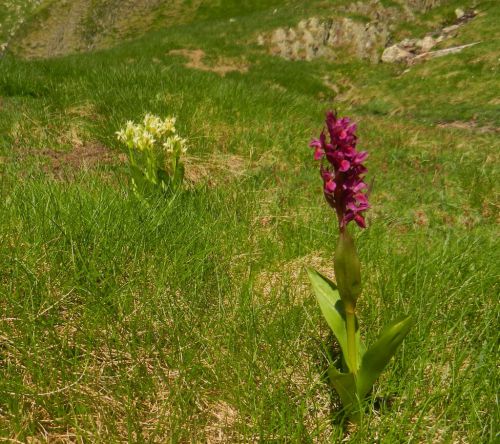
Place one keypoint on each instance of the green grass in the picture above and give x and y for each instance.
(194, 322)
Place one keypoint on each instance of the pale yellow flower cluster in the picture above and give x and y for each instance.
(153, 132)
(154, 153)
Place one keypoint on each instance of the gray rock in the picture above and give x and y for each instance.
(314, 37)
(308, 38)
(314, 23)
(279, 35)
(296, 50)
(426, 44)
(459, 13)
(408, 43)
(283, 49)
(395, 54)
(443, 52)
(450, 29)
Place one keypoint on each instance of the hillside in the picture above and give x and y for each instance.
(192, 320)
(58, 27)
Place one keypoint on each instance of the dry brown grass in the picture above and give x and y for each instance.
(293, 274)
(222, 423)
(215, 169)
(81, 157)
(470, 125)
(221, 67)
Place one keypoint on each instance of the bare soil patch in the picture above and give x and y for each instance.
(214, 169)
(222, 67)
(221, 427)
(470, 125)
(293, 274)
(81, 157)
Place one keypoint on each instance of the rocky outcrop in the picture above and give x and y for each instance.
(361, 29)
(314, 38)
(409, 50)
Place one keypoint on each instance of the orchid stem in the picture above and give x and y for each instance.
(352, 352)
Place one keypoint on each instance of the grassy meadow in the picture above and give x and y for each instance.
(193, 321)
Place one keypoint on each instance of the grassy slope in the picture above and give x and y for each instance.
(58, 28)
(121, 322)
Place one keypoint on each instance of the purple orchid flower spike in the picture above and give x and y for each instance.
(343, 171)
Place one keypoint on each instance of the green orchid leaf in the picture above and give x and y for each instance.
(347, 269)
(379, 354)
(345, 385)
(333, 311)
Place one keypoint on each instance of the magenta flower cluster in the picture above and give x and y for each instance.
(343, 172)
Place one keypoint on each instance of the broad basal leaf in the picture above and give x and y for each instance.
(345, 386)
(379, 354)
(332, 308)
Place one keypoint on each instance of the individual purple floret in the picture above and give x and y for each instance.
(343, 172)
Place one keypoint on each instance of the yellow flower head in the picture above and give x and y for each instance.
(153, 132)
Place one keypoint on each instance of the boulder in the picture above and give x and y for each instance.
(395, 54)
(426, 44)
(408, 44)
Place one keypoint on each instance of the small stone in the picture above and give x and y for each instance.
(459, 13)
(308, 38)
(310, 52)
(302, 25)
(450, 29)
(395, 54)
(296, 49)
(279, 35)
(314, 22)
(283, 49)
(408, 44)
(260, 40)
(426, 44)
